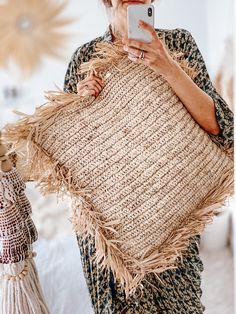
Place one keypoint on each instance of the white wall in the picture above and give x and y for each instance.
(219, 25)
(188, 14)
(203, 18)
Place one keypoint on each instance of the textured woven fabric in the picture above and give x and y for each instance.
(17, 230)
(145, 175)
(7, 194)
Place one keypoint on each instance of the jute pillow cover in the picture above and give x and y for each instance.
(143, 175)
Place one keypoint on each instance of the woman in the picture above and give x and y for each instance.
(179, 290)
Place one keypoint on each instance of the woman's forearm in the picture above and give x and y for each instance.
(199, 104)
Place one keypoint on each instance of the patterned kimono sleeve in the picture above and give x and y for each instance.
(224, 114)
(71, 75)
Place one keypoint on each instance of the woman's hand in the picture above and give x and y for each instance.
(199, 104)
(91, 85)
(155, 55)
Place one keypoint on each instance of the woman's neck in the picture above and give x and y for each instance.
(118, 31)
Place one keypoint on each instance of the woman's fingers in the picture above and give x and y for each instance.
(94, 78)
(88, 92)
(149, 28)
(91, 81)
(89, 85)
(95, 84)
(134, 51)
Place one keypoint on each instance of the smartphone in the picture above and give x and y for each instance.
(136, 12)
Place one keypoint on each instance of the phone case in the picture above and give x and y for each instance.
(135, 13)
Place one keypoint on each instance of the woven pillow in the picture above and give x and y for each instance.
(143, 175)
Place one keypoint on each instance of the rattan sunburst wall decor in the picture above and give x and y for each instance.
(31, 29)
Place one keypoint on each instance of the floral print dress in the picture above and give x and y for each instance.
(179, 290)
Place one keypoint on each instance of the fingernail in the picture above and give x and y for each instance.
(132, 58)
(125, 48)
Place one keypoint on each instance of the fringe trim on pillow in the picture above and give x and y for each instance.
(107, 55)
(87, 219)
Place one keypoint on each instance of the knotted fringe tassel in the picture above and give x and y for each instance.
(21, 290)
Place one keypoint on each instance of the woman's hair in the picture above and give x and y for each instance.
(107, 3)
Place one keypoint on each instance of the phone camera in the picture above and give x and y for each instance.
(149, 11)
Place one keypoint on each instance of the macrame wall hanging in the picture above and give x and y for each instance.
(19, 282)
(30, 30)
(144, 177)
